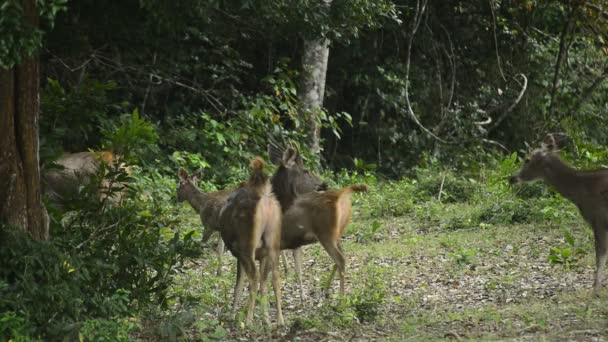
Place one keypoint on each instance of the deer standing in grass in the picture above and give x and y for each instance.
(320, 217)
(208, 206)
(250, 225)
(289, 181)
(587, 189)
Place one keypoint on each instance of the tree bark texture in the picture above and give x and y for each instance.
(20, 188)
(312, 87)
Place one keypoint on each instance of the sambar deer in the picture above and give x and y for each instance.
(207, 205)
(320, 217)
(78, 169)
(290, 180)
(587, 189)
(250, 225)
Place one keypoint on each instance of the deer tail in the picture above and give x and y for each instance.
(257, 172)
(355, 188)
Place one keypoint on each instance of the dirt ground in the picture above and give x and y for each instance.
(412, 281)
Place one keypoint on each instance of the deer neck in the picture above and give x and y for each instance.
(197, 199)
(563, 178)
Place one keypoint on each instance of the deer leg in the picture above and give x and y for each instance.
(601, 254)
(297, 261)
(252, 275)
(220, 253)
(207, 234)
(238, 288)
(265, 270)
(284, 263)
(276, 283)
(334, 251)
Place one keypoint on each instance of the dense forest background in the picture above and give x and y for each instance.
(218, 77)
(430, 103)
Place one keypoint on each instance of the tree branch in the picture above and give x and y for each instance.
(524, 87)
(420, 7)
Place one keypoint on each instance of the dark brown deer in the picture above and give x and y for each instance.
(320, 217)
(290, 180)
(207, 205)
(78, 169)
(587, 189)
(250, 225)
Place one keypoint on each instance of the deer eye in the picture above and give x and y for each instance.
(527, 161)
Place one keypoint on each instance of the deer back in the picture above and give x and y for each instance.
(251, 217)
(74, 171)
(317, 216)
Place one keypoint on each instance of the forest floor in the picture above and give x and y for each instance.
(409, 279)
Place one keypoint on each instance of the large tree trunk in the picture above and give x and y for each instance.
(312, 88)
(20, 190)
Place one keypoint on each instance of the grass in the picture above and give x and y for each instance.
(412, 281)
(425, 270)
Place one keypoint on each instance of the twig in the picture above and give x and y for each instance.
(441, 188)
(495, 143)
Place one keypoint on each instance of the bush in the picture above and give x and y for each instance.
(50, 289)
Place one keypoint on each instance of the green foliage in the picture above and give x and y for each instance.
(430, 182)
(463, 257)
(367, 300)
(106, 330)
(12, 325)
(71, 118)
(131, 137)
(52, 291)
(18, 39)
(104, 262)
(568, 254)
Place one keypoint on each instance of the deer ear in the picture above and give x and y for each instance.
(183, 175)
(290, 157)
(274, 154)
(549, 144)
(196, 176)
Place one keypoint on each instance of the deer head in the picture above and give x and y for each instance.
(538, 160)
(187, 184)
(291, 178)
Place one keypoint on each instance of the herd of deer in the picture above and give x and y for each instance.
(294, 208)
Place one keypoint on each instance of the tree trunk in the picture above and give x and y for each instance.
(20, 190)
(312, 87)
(561, 56)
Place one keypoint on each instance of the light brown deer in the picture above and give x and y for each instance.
(587, 189)
(207, 205)
(77, 170)
(320, 217)
(250, 225)
(290, 180)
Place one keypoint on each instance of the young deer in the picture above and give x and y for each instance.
(208, 206)
(322, 217)
(289, 181)
(587, 189)
(250, 225)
